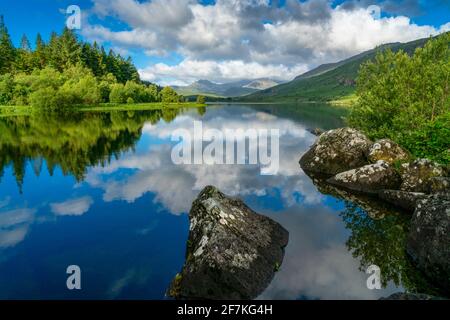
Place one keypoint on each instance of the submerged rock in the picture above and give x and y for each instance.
(402, 199)
(417, 175)
(371, 205)
(387, 150)
(337, 151)
(232, 252)
(368, 179)
(429, 239)
(316, 131)
(411, 296)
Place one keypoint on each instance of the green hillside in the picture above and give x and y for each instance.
(327, 82)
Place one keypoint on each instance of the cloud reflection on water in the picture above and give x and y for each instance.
(317, 264)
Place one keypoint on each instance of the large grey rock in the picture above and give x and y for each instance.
(387, 150)
(368, 179)
(337, 151)
(232, 252)
(428, 242)
(417, 175)
(402, 199)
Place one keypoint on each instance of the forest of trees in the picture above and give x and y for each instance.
(65, 72)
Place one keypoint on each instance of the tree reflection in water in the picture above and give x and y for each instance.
(378, 237)
(72, 141)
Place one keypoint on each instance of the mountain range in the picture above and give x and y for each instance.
(327, 82)
(230, 89)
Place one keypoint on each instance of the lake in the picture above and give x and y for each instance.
(99, 190)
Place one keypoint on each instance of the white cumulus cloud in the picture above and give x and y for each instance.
(232, 39)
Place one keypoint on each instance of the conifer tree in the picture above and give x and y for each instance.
(70, 49)
(7, 51)
(24, 56)
(25, 44)
(39, 55)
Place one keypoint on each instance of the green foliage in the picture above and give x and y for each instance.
(132, 91)
(44, 89)
(432, 140)
(46, 98)
(67, 72)
(7, 51)
(201, 99)
(6, 88)
(105, 85)
(117, 94)
(39, 58)
(168, 95)
(81, 87)
(407, 100)
(22, 89)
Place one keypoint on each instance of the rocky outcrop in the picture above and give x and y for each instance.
(232, 252)
(364, 173)
(411, 296)
(337, 151)
(429, 240)
(387, 150)
(417, 175)
(368, 179)
(346, 155)
(402, 199)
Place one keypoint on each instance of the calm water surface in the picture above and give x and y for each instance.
(99, 190)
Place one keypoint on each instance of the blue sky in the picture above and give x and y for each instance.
(181, 41)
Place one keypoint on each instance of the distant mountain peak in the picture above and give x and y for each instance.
(229, 89)
(262, 84)
(206, 82)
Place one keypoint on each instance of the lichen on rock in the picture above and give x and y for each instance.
(417, 175)
(337, 151)
(387, 150)
(232, 251)
(368, 179)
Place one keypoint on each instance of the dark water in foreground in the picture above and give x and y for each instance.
(99, 190)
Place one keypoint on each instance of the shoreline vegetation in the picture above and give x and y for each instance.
(407, 99)
(6, 111)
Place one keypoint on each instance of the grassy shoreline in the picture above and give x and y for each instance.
(6, 111)
(345, 101)
(28, 110)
